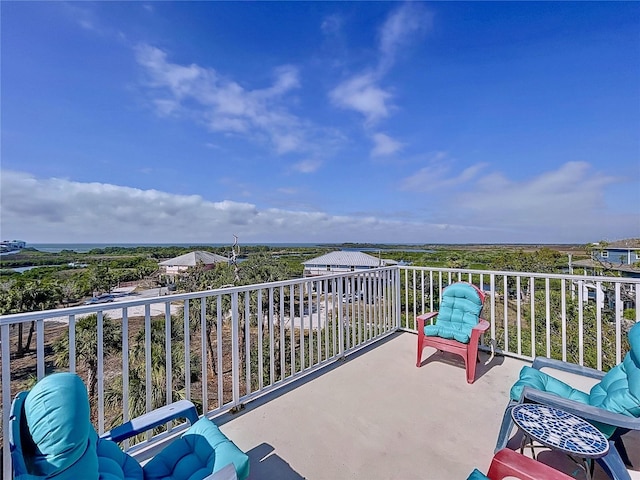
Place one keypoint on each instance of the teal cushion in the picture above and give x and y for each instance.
(202, 450)
(114, 464)
(57, 414)
(618, 391)
(477, 475)
(459, 313)
(530, 377)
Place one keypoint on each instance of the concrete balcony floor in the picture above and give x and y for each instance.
(377, 416)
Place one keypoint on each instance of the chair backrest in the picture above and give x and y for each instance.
(619, 389)
(460, 306)
(20, 444)
(51, 431)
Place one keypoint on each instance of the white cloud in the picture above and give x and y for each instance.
(307, 166)
(564, 205)
(384, 145)
(440, 174)
(222, 104)
(403, 27)
(362, 94)
(570, 195)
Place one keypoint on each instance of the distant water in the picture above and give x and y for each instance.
(86, 247)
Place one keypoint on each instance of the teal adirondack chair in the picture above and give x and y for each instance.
(51, 436)
(458, 326)
(612, 404)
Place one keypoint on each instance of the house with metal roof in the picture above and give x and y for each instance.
(621, 256)
(343, 261)
(177, 265)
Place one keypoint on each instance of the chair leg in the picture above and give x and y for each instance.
(505, 428)
(420, 343)
(471, 361)
(613, 464)
(616, 438)
(470, 367)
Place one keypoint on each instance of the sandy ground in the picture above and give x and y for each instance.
(317, 320)
(138, 311)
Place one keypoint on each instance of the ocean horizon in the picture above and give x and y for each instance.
(86, 247)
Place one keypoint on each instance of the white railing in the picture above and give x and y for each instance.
(575, 318)
(221, 348)
(218, 348)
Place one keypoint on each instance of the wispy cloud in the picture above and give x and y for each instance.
(307, 166)
(384, 145)
(222, 104)
(402, 28)
(362, 94)
(440, 174)
(566, 204)
(562, 197)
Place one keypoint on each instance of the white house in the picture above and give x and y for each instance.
(177, 265)
(343, 261)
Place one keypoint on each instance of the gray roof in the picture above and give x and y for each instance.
(629, 243)
(357, 259)
(622, 267)
(192, 258)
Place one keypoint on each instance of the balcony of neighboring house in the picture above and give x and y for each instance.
(311, 386)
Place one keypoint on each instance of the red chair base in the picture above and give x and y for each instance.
(507, 463)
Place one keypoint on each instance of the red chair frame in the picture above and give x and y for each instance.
(507, 463)
(468, 351)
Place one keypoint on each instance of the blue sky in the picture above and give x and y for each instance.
(444, 122)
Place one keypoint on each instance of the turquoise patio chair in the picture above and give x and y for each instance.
(612, 404)
(51, 436)
(458, 326)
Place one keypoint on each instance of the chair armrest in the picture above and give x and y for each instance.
(150, 420)
(476, 331)
(422, 319)
(228, 472)
(580, 409)
(482, 325)
(542, 362)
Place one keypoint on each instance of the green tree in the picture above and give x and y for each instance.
(29, 296)
(137, 370)
(87, 346)
(100, 278)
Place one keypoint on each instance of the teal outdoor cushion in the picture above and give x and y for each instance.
(477, 475)
(618, 391)
(530, 377)
(57, 414)
(203, 449)
(114, 464)
(67, 447)
(459, 313)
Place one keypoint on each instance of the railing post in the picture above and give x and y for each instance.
(235, 353)
(340, 320)
(6, 400)
(397, 303)
(235, 345)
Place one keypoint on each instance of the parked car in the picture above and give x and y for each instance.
(104, 298)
